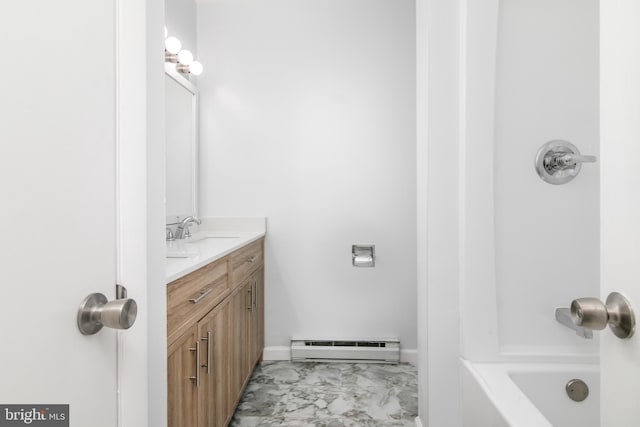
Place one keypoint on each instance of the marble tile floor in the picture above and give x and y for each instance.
(329, 395)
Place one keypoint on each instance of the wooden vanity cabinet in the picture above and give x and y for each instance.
(198, 373)
(239, 343)
(181, 389)
(257, 317)
(215, 319)
(247, 284)
(212, 397)
(191, 297)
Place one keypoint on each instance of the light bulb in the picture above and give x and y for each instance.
(196, 68)
(173, 45)
(185, 57)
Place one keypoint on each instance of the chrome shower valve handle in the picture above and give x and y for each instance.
(558, 161)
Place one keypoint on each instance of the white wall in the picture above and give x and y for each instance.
(180, 20)
(308, 118)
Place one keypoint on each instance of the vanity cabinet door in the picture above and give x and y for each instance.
(257, 317)
(245, 261)
(240, 362)
(182, 387)
(192, 296)
(213, 409)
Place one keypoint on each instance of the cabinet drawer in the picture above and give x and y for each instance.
(245, 261)
(194, 295)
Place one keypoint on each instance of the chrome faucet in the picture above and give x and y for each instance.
(182, 232)
(170, 237)
(563, 315)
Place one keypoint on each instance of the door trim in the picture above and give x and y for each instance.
(139, 93)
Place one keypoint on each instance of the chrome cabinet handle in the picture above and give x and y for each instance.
(254, 294)
(593, 314)
(252, 259)
(208, 340)
(250, 292)
(96, 311)
(203, 294)
(197, 377)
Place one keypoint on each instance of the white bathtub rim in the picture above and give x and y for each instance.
(527, 355)
(508, 400)
(563, 355)
(505, 395)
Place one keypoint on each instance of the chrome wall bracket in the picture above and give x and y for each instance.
(558, 162)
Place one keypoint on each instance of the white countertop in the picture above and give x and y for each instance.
(214, 239)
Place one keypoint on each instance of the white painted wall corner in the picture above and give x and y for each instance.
(273, 353)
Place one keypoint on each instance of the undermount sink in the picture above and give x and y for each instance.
(215, 238)
(181, 254)
(193, 246)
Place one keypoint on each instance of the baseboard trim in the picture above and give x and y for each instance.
(409, 356)
(418, 422)
(277, 353)
(284, 353)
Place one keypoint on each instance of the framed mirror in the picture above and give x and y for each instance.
(181, 131)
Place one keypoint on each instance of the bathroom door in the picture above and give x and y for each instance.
(58, 211)
(620, 203)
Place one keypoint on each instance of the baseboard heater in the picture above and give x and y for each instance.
(323, 350)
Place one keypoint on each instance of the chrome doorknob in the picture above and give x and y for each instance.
(593, 314)
(589, 313)
(96, 311)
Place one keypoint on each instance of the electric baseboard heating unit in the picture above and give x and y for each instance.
(361, 351)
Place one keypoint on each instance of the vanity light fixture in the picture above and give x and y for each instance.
(196, 68)
(172, 45)
(183, 58)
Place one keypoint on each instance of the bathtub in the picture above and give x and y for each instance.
(527, 395)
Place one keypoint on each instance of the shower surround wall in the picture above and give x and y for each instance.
(308, 118)
(536, 246)
(504, 248)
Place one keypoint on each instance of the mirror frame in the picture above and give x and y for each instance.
(170, 71)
